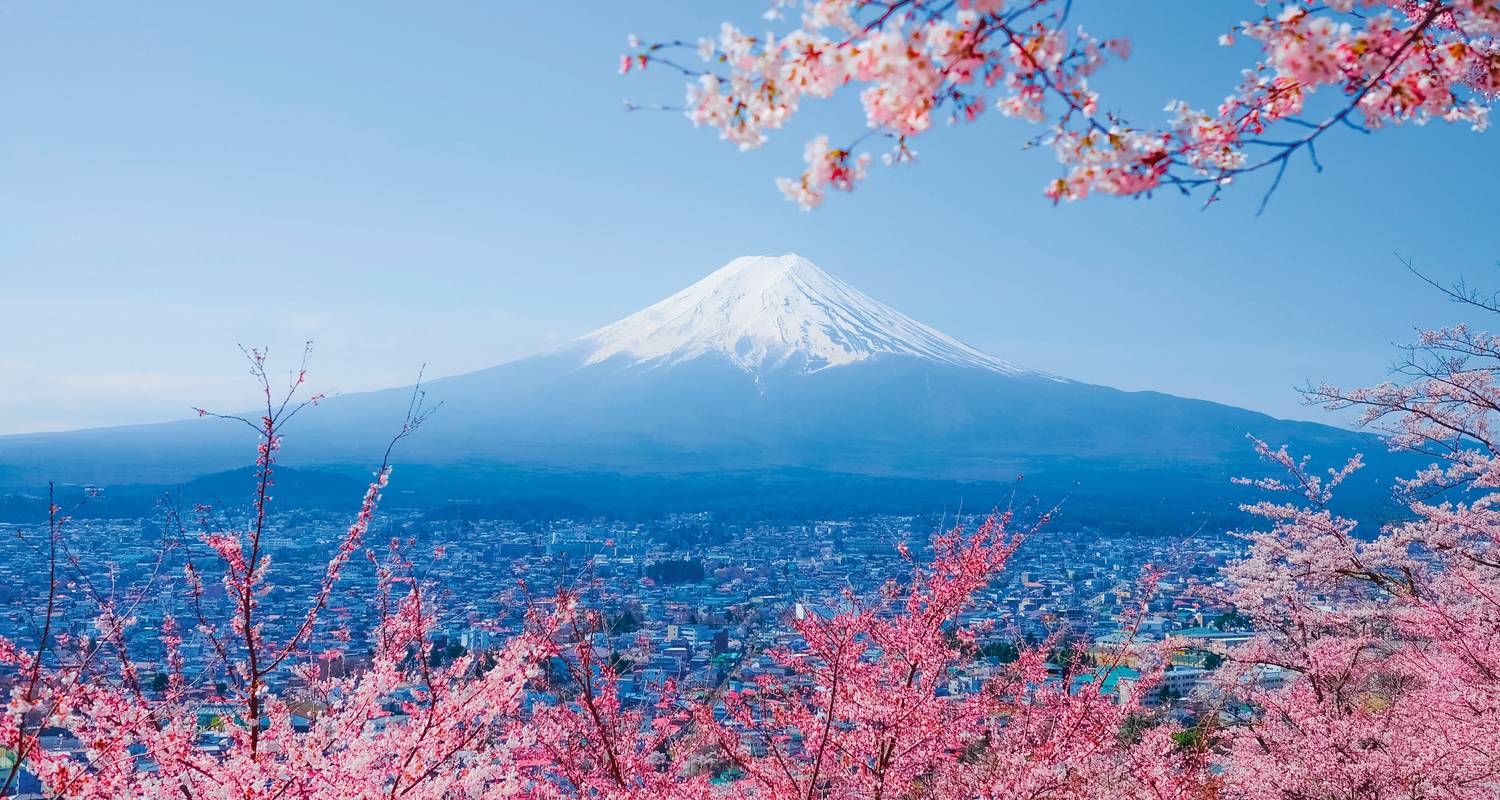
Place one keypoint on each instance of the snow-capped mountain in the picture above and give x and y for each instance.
(768, 383)
(764, 312)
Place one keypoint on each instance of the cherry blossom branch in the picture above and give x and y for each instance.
(1395, 61)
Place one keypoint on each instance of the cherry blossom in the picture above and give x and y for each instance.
(1387, 62)
(1384, 644)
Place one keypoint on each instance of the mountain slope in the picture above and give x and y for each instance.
(767, 373)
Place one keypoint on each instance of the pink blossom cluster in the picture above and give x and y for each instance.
(1388, 640)
(1392, 62)
(827, 168)
(864, 713)
(1386, 646)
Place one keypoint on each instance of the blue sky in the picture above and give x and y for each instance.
(460, 186)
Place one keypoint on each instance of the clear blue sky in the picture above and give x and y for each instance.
(459, 185)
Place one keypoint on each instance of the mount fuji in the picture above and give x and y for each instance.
(765, 313)
(768, 385)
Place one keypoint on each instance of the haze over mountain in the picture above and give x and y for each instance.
(769, 383)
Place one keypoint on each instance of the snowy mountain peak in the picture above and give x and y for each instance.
(763, 312)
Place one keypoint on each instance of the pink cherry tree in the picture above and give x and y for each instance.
(864, 703)
(915, 62)
(590, 741)
(1377, 669)
(400, 727)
